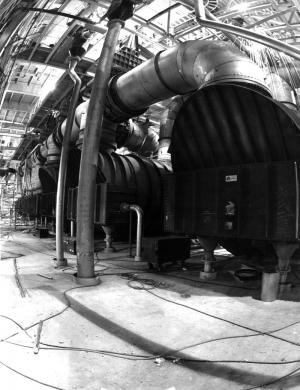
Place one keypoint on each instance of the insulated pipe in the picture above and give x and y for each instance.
(89, 157)
(61, 183)
(139, 227)
(178, 71)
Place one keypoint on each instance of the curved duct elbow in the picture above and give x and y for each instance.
(138, 137)
(178, 71)
(166, 127)
(281, 90)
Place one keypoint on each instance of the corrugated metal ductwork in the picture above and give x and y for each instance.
(229, 125)
(144, 177)
(138, 137)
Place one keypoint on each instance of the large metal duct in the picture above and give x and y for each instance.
(231, 125)
(138, 137)
(178, 71)
(142, 176)
(166, 127)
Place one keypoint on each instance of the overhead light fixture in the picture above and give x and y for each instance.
(241, 7)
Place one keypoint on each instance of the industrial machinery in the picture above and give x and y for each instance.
(234, 151)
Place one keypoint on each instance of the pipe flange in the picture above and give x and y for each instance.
(207, 275)
(109, 250)
(60, 263)
(95, 281)
(115, 109)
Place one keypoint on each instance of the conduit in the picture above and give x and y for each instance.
(61, 184)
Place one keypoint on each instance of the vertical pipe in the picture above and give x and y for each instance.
(61, 184)
(130, 234)
(89, 156)
(297, 200)
(72, 228)
(139, 227)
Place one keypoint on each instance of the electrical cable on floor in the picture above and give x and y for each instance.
(203, 312)
(29, 377)
(18, 325)
(173, 359)
(143, 357)
(149, 284)
(68, 305)
(223, 319)
(210, 282)
(188, 279)
(31, 326)
(274, 381)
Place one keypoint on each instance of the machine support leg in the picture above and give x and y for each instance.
(209, 245)
(284, 252)
(108, 239)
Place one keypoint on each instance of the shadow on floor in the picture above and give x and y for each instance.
(239, 376)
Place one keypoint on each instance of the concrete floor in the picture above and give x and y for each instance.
(112, 319)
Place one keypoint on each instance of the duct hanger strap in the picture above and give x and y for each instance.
(115, 108)
(159, 75)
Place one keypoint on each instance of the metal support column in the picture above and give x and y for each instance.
(89, 157)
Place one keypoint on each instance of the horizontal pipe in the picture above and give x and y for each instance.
(253, 36)
(178, 71)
